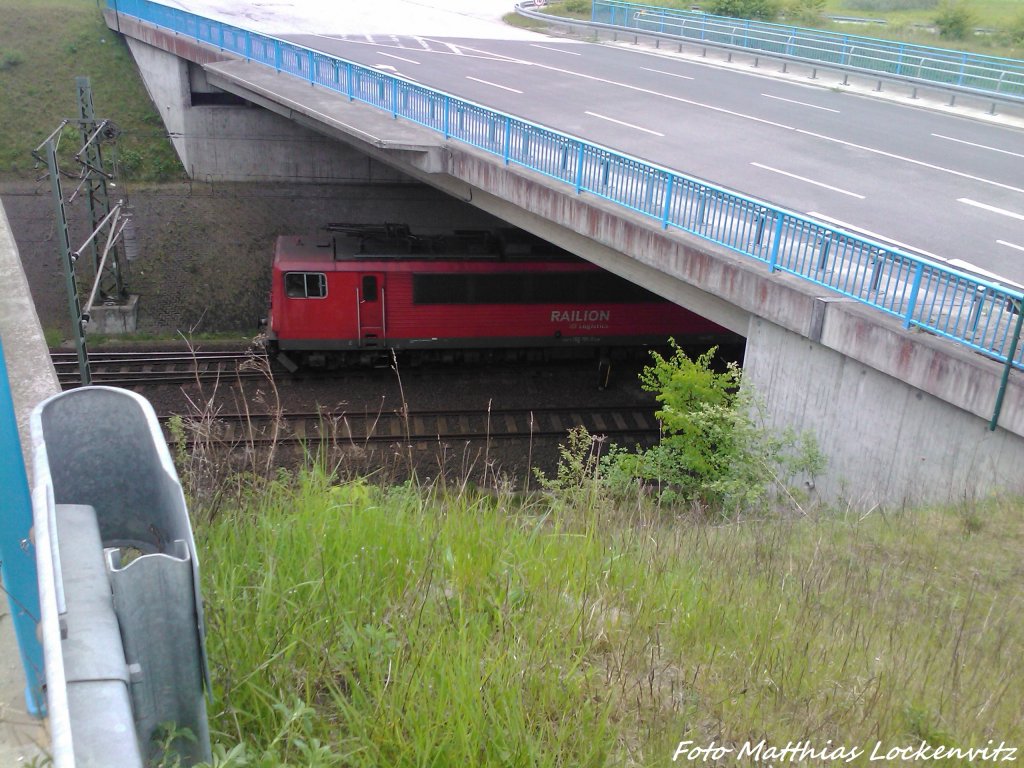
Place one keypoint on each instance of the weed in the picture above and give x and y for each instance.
(10, 59)
(955, 20)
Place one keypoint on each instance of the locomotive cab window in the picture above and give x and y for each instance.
(305, 285)
(369, 288)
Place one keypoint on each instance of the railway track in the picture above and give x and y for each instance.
(356, 428)
(127, 369)
(137, 369)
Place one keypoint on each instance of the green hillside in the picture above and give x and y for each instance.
(44, 45)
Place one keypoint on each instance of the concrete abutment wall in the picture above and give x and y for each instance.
(888, 442)
(242, 143)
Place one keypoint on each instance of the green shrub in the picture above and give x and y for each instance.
(578, 6)
(763, 10)
(129, 163)
(806, 12)
(1015, 31)
(715, 452)
(955, 20)
(886, 6)
(9, 60)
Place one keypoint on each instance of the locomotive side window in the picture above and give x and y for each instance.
(526, 288)
(305, 285)
(369, 288)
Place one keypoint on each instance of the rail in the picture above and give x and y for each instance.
(976, 73)
(977, 313)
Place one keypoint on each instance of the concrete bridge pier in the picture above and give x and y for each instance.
(889, 442)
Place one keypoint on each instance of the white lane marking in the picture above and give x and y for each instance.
(966, 266)
(1011, 245)
(670, 74)
(722, 110)
(385, 68)
(456, 49)
(979, 146)
(873, 235)
(809, 181)
(801, 103)
(627, 125)
(922, 163)
(400, 58)
(637, 88)
(556, 50)
(493, 85)
(422, 43)
(990, 208)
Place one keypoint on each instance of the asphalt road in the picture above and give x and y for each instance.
(945, 186)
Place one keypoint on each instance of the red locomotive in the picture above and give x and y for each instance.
(356, 293)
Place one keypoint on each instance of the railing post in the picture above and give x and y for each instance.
(17, 555)
(876, 269)
(507, 149)
(759, 232)
(348, 78)
(447, 116)
(826, 244)
(773, 259)
(312, 67)
(1006, 369)
(394, 97)
(666, 208)
(579, 169)
(911, 305)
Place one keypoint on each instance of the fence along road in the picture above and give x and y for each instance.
(981, 314)
(970, 72)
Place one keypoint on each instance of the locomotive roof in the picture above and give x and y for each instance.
(354, 250)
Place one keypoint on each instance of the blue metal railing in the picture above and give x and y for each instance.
(977, 313)
(17, 554)
(990, 75)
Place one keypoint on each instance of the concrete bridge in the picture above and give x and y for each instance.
(903, 416)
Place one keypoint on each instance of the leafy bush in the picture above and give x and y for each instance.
(955, 20)
(763, 10)
(129, 163)
(884, 6)
(1015, 31)
(9, 60)
(806, 12)
(578, 6)
(715, 452)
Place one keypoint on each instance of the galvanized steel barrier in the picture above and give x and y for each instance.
(977, 313)
(989, 75)
(17, 552)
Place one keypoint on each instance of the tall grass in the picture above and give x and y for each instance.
(360, 626)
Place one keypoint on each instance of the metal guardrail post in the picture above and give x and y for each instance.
(1006, 369)
(121, 608)
(773, 259)
(17, 555)
(667, 208)
(914, 289)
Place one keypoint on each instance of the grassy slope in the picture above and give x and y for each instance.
(53, 41)
(399, 628)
